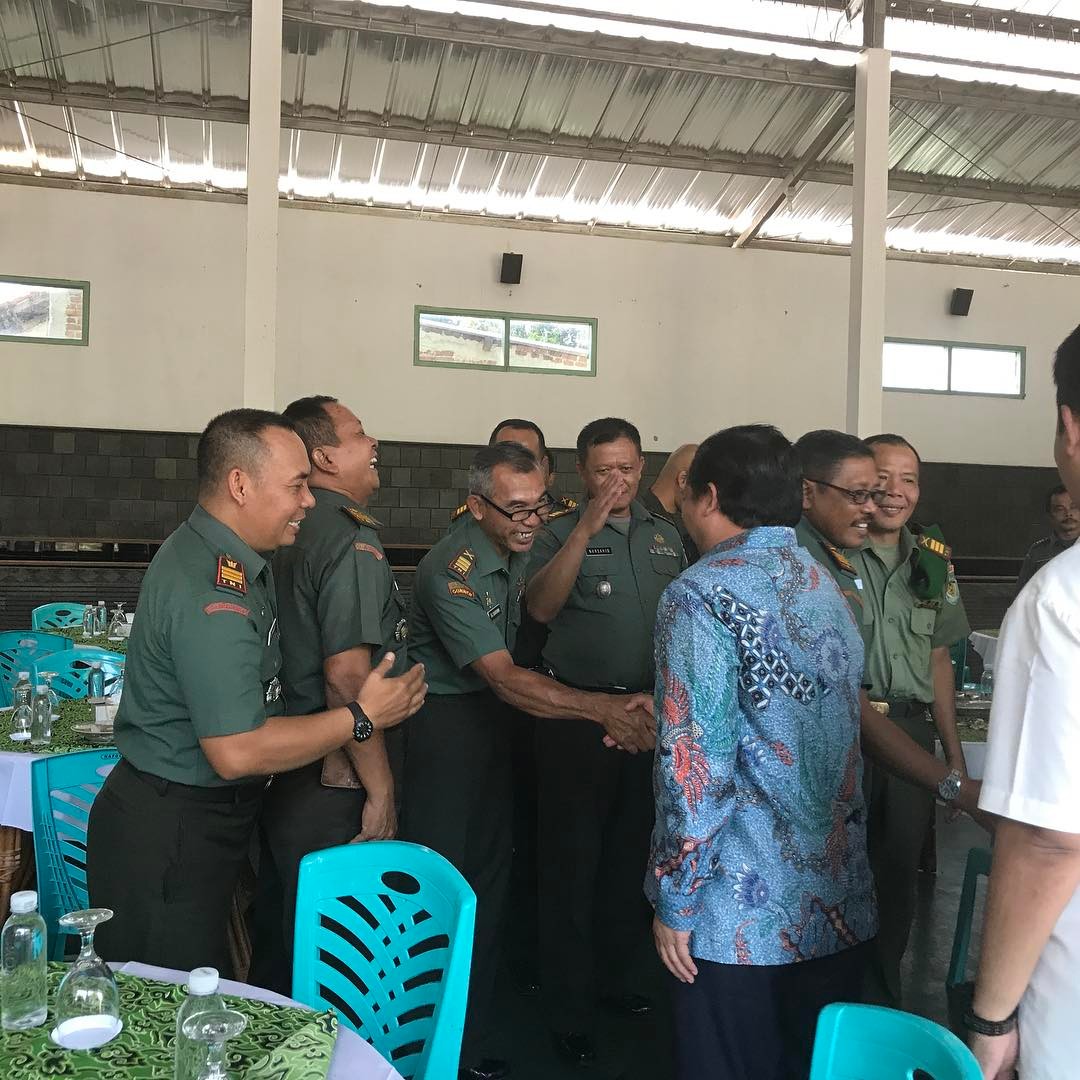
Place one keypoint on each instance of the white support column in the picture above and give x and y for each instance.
(261, 255)
(866, 310)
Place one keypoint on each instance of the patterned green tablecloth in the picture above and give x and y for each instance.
(64, 740)
(279, 1043)
(99, 641)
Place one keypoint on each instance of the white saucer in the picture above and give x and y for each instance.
(20, 737)
(86, 1032)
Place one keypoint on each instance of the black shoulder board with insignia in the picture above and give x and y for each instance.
(361, 518)
(462, 563)
(461, 510)
(841, 559)
(561, 508)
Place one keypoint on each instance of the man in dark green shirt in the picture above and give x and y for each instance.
(664, 495)
(463, 625)
(340, 612)
(596, 577)
(200, 725)
(1064, 518)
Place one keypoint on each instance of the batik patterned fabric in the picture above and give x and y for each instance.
(759, 847)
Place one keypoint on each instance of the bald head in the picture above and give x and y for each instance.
(669, 485)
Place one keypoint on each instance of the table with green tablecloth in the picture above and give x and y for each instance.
(98, 641)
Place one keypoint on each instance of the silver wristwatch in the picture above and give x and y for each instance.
(949, 787)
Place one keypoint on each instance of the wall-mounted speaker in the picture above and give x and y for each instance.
(511, 269)
(961, 301)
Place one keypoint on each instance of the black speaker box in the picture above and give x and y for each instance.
(511, 269)
(961, 301)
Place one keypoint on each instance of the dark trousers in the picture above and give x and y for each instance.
(298, 816)
(166, 859)
(457, 800)
(595, 814)
(898, 816)
(523, 930)
(737, 1022)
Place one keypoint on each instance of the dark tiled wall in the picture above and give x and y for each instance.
(60, 483)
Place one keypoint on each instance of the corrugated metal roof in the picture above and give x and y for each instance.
(468, 116)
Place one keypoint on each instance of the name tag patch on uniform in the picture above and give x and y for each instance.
(598, 551)
(369, 549)
(495, 612)
(460, 590)
(462, 563)
(236, 609)
(230, 575)
(857, 582)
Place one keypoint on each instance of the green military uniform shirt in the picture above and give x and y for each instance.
(843, 570)
(335, 592)
(904, 628)
(204, 654)
(466, 604)
(603, 636)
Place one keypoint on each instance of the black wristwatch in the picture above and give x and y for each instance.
(973, 1022)
(362, 728)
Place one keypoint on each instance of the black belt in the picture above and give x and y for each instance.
(234, 793)
(597, 689)
(906, 708)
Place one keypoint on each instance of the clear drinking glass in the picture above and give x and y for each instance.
(118, 624)
(214, 1028)
(88, 1001)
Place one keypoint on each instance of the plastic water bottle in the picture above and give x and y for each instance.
(89, 620)
(24, 995)
(41, 724)
(202, 996)
(101, 618)
(986, 687)
(22, 719)
(22, 691)
(96, 681)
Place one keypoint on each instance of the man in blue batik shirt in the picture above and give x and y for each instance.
(758, 871)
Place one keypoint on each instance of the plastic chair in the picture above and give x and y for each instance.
(19, 650)
(866, 1042)
(63, 788)
(72, 670)
(958, 989)
(384, 935)
(57, 616)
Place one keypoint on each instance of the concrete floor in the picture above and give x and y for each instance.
(639, 1050)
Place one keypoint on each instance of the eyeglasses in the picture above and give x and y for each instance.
(519, 516)
(859, 496)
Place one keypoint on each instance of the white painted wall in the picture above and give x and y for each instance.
(691, 338)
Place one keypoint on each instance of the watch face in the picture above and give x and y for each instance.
(363, 729)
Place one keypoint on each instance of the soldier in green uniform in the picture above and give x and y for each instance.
(914, 604)
(596, 576)
(664, 495)
(340, 612)
(200, 726)
(463, 625)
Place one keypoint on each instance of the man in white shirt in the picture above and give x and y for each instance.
(1030, 965)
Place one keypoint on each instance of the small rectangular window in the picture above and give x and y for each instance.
(505, 342)
(944, 368)
(44, 311)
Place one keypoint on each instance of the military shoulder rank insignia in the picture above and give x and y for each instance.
(462, 563)
(841, 560)
(459, 512)
(369, 549)
(230, 575)
(932, 544)
(455, 588)
(561, 509)
(361, 518)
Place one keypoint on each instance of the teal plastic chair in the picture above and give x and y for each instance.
(958, 988)
(866, 1042)
(63, 788)
(20, 650)
(57, 616)
(384, 935)
(72, 670)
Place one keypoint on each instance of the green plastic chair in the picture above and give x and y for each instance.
(958, 988)
(384, 935)
(71, 670)
(866, 1042)
(57, 616)
(20, 650)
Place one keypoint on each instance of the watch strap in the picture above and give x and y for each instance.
(363, 728)
(980, 1026)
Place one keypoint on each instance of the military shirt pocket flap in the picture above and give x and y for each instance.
(599, 565)
(667, 565)
(923, 621)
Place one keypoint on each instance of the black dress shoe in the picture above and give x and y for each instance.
(629, 1004)
(574, 1047)
(488, 1069)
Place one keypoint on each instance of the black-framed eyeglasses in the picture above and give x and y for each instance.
(519, 516)
(859, 496)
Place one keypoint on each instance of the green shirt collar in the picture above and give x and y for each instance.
(333, 500)
(224, 541)
(488, 560)
(907, 546)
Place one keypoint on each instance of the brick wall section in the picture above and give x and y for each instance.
(85, 483)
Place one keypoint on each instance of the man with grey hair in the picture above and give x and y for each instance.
(464, 620)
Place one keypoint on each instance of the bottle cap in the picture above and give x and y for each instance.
(96, 664)
(41, 689)
(202, 981)
(24, 675)
(23, 902)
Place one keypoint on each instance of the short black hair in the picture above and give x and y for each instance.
(312, 422)
(549, 456)
(482, 469)
(606, 430)
(519, 425)
(233, 441)
(891, 439)
(756, 474)
(1057, 489)
(1067, 374)
(822, 452)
